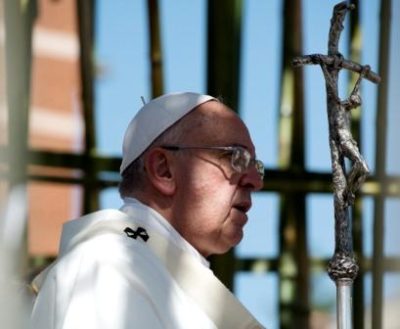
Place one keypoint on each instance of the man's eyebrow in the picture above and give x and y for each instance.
(241, 145)
(245, 147)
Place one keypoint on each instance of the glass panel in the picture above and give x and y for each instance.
(123, 69)
(183, 35)
(322, 245)
(369, 55)
(259, 293)
(109, 198)
(321, 225)
(391, 300)
(260, 69)
(368, 299)
(391, 305)
(392, 227)
(323, 304)
(368, 227)
(261, 231)
(393, 158)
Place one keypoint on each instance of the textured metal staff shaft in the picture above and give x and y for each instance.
(342, 267)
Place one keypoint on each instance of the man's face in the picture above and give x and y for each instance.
(212, 199)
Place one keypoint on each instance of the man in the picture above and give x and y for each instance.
(188, 171)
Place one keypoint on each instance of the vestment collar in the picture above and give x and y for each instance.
(158, 223)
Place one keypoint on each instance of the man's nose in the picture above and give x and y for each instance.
(252, 179)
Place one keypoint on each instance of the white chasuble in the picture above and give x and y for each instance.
(116, 272)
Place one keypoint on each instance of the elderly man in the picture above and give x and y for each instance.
(188, 171)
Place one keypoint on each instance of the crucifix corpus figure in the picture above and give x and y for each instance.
(342, 267)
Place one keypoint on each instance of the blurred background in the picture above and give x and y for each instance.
(72, 74)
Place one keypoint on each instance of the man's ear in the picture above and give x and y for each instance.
(158, 165)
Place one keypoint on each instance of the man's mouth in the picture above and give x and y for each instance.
(243, 206)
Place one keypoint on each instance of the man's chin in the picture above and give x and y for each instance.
(236, 237)
(233, 242)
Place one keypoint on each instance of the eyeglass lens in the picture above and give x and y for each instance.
(241, 160)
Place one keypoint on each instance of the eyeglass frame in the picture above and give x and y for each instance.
(258, 164)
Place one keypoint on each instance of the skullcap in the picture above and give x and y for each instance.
(153, 119)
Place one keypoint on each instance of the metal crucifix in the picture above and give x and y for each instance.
(342, 268)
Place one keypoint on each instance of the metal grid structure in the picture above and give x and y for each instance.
(290, 179)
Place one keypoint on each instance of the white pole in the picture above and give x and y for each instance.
(344, 304)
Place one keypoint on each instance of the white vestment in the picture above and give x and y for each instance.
(130, 269)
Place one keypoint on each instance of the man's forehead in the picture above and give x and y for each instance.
(214, 112)
(220, 126)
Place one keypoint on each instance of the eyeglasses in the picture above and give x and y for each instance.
(240, 157)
